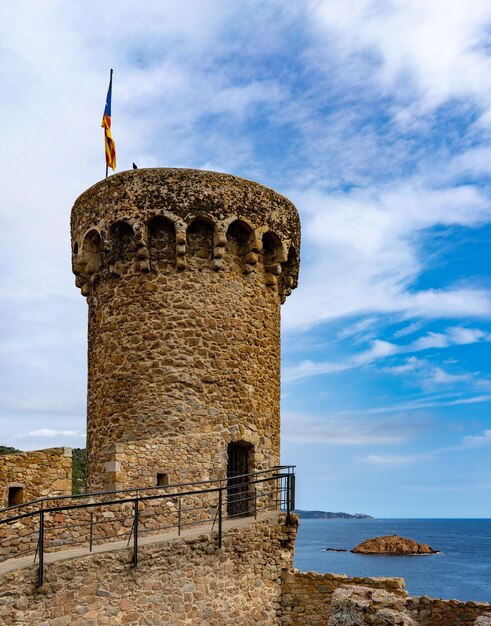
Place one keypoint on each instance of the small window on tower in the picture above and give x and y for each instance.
(162, 479)
(16, 495)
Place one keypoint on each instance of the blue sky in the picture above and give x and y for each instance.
(374, 117)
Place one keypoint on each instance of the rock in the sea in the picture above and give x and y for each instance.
(393, 545)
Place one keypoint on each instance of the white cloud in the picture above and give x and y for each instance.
(468, 442)
(477, 441)
(453, 336)
(364, 255)
(394, 459)
(440, 377)
(411, 364)
(48, 432)
(428, 403)
(410, 329)
(359, 328)
(305, 369)
(379, 349)
(347, 431)
(430, 375)
(424, 52)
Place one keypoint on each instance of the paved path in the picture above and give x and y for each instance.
(63, 555)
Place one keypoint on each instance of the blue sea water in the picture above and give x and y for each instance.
(461, 571)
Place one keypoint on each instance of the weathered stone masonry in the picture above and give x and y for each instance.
(184, 273)
(35, 475)
(190, 581)
(178, 582)
(312, 599)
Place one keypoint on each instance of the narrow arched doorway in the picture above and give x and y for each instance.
(238, 489)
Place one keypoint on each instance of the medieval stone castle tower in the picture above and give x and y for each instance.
(184, 272)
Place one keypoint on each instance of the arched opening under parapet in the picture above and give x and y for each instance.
(199, 239)
(238, 237)
(239, 465)
(122, 241)
(161, 241)
(271, 248)
(15, 495)
(91, 251)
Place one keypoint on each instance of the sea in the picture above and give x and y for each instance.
(461, 570)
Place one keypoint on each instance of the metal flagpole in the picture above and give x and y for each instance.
(110, 84)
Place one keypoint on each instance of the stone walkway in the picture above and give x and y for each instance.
(63, 555)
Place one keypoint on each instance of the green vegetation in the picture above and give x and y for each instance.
(79, 459)
(8, 450)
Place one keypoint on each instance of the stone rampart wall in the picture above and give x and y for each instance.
(40, 473)
(307, 596)
(434, 612)
(183, 581)
(312, 599)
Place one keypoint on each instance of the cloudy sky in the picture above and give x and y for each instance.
(374, 117)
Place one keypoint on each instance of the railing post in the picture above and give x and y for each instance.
(292, 486)
(255, 502)
(41, 549)
(288, 500)
(91, 535)
(179, 517)
(135, 534)
(220, 503)
(277, 491)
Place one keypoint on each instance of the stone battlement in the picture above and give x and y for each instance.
(163, 219)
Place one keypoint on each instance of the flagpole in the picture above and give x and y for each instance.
(110, 82)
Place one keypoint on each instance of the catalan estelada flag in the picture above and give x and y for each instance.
(106, 125)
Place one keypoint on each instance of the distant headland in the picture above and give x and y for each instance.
(330, 515)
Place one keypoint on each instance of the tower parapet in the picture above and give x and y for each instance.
(184, 272)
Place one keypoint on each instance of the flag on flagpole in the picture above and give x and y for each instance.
(106, 125)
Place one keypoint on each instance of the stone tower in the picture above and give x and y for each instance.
(184, 273)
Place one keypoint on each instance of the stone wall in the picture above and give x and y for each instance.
(192, 457)
(307, 596)
(190, 581)
(184, 272)
(434, 612)
(312, 599)
(38, 474)
(178, 582)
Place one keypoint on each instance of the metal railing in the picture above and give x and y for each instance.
(93, 519)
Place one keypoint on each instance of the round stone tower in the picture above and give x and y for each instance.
(184, 272)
